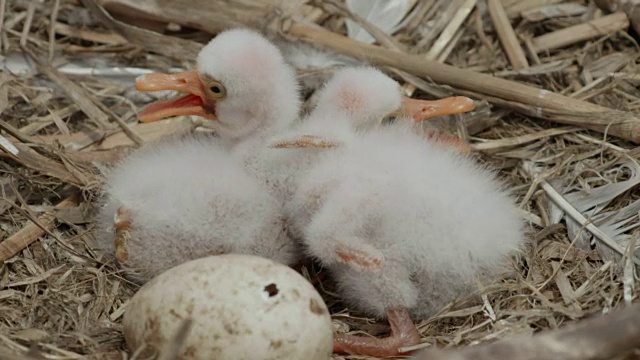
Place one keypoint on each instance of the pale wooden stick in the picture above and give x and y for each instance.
(52, 33)
(31, 232)
(597, 338)
(26, 28)
(573, 34)
(89, 35)
(176, 48)
(450, 30)
(507, 36)
(630, 7)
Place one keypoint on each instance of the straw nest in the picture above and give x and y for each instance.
(60, 124)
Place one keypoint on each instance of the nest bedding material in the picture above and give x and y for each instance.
(60, 300)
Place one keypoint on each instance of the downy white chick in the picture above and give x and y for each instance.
(244, 86)
(184, 198)
(404, 225)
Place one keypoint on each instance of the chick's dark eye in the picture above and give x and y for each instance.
(215, 89)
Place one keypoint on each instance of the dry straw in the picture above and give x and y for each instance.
(558, 112)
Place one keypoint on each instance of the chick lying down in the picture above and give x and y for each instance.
(402, 223)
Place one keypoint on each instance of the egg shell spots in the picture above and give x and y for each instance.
(242, 307)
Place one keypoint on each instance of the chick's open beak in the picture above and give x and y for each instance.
(421, 110)
(195, 102)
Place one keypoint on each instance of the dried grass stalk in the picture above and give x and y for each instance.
(598, 27)
(507, 35)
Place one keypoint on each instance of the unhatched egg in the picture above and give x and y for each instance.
(240, 307)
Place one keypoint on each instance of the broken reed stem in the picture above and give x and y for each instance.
(597, 338)
(26, 28)
(450, 30)
(547, 104)
(52, 31)
(598, 27)
(32, 231)
(506, 35)
(445, 38)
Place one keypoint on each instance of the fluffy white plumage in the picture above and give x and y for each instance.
(186, 198)
(362, 96)
(350, 91)
(433, 220)
(262, 91)
(425, 219)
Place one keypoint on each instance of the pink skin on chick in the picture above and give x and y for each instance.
(403, 224)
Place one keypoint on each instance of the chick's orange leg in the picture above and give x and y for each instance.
(122, 223)
(403, 334)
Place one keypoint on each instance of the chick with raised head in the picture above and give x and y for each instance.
(186, 198)
(241, 83)
(404, 224)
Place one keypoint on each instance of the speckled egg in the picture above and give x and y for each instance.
(238, 307)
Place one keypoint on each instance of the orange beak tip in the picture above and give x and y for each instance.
(138, 83)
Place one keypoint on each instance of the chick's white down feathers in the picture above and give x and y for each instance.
(188, 199)
(434, 220)
(360, 92)
(261, 88)
(358, 96)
